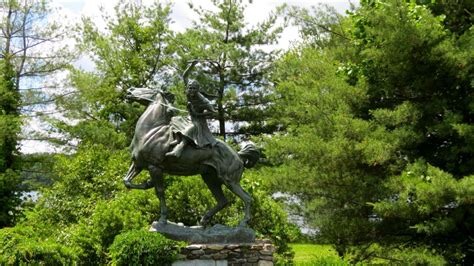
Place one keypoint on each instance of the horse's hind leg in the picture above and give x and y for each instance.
(159, 183)
(246, 198)
(215, 185)
(133, 171)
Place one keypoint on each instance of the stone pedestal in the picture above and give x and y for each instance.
(259, 253)
(196, 234)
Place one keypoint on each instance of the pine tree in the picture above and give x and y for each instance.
(379, 135)
(235, 64)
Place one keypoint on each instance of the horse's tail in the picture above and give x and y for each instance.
(250, 155)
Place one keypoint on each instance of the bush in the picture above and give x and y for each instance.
(20, 245)
(140, 247)
(93, 235)
(316, 254)
(394, 255)
(91, 175)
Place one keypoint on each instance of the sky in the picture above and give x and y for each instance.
(182, 16)
(70, 12)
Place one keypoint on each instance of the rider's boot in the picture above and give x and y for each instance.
(177, 150)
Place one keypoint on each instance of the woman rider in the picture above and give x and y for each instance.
(200, 108)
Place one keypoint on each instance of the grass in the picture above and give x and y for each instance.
(311, 254)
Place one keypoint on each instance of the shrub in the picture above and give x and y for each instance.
(394, 255)
(20, 245)
(93, 235)
(316, 254)
(140, 247)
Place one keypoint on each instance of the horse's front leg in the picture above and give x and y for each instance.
(159, 183)
(133, 171)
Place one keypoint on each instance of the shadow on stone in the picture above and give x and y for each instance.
(215, 234)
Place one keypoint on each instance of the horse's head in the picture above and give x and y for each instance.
(146, 96)
(159, 98)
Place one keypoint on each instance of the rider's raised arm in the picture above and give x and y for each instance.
(186, 72)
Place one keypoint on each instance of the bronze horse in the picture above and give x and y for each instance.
(218, 165)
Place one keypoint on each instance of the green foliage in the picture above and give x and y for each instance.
(432, 204)
(9, 197)
(395, 255)
(93, 235)
(428, 69)
(458, 15)
(88, 206)
(311, 254)
(92, 174)
(10, 123)
(416, 256)
(140, 247)
(135, 45)
(20, 246)
(321, 145)
(376, 141)
(134, 50)
(29, 56)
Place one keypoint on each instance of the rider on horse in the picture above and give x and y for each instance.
(197, 132)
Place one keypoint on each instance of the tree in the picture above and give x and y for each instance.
(428, 66)
(235, 63)
(328, 157)
(24, 62)
(9, 128)
(132, 51)
(377, 140)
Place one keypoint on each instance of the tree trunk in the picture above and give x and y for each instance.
(220, 109)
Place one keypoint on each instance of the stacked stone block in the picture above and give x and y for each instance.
(259, 253)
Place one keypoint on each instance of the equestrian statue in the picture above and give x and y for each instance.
(168, 143)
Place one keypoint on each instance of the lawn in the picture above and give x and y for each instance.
(311, 254)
